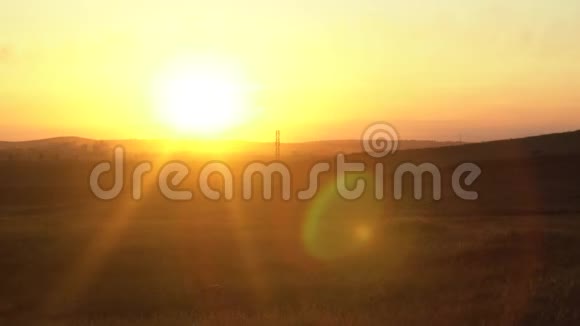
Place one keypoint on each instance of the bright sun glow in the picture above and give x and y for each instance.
(201, 100)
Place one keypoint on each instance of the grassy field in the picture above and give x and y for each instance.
(160, 263)
(510, 258)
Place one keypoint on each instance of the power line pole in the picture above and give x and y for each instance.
(277, 145)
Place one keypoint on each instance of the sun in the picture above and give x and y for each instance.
(201, 100)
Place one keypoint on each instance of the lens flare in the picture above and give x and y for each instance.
(336, 227)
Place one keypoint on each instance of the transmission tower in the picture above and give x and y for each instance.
(277, 145)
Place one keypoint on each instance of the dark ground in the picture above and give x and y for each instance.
(512, 257)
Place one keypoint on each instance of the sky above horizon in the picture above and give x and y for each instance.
(439, 70)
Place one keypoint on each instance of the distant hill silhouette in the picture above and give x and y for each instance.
(520, 176)
(559, 144)
(567, 143)
(67, 146)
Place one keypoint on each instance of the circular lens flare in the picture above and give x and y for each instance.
(336, 227)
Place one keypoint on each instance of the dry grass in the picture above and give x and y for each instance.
(248, 264)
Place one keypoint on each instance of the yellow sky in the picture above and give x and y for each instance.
(484, 69)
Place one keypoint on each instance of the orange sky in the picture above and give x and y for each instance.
(485, 70)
